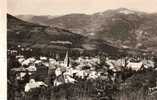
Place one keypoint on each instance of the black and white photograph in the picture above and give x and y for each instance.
(81, 49)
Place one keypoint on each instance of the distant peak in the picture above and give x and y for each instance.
(125, 11)
(121, 9)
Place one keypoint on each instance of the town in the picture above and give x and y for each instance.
(99, 76)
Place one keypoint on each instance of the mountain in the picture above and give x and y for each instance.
(121, 27)
(115, 26)
(46, 37)
(19, 31)
(36, 19)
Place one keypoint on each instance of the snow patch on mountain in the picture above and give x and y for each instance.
(126, 12)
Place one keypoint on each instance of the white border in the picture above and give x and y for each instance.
(3, 50)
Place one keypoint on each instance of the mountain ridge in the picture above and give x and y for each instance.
(121, 27)
(46, 37)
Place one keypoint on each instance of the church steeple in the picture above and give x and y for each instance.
(66, 59)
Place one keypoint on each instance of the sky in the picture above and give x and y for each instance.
(60, 7)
